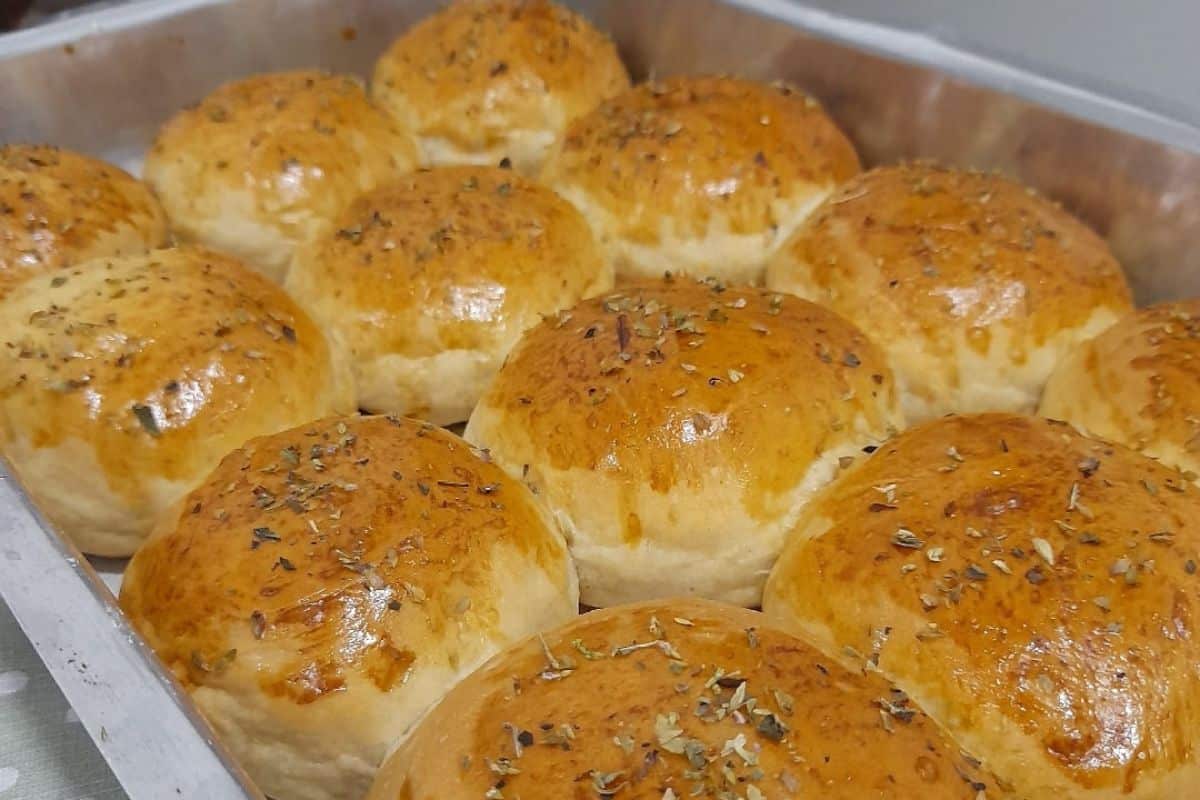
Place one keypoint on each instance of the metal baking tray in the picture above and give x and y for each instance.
(103, 82)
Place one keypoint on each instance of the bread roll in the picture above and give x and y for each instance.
(327, 584)
(428, 282)
(484, 80)
(1137, 383)
(973, 284)
(1033, 590)
(701, 176)
(676, 699)
(125, 380)
(677, 428)
(259, 162)
(58, 208)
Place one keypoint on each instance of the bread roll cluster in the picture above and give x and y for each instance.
(687, 335)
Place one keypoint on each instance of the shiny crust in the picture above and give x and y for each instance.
(930, 261)
(1033, 590)
(1137, 383)
(153, 367)
(260, 160)
(454, 259)
(687, 156)
(346, 562)
(810, 727)
(722, 403)
(479, 73)
(58, 208)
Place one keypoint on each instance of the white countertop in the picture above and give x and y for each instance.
(45, 754)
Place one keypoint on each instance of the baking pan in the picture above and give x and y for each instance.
(102, 83)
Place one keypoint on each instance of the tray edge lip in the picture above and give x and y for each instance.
(59, 32)
(17, 504)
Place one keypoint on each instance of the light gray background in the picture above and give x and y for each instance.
(1146, 52)
(45, 753)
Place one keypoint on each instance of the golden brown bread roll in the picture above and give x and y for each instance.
(676, 699)
(125, 380)
(427, 283)
(484, 80)
(58, 208)
(1033, 590)
(1137, 383)
(701, 176)
(328, 583)
(973, 284)
(677, 428)
(261, 161)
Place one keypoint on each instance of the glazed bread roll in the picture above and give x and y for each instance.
(125, 380)
(1033, 590)
(973, 284)
(683, 698)
(485, 80)
(260, 161)
(1137, 383)
(327, 584)
(676, 429)
(427, 283)
(701, 176)
(58, 208)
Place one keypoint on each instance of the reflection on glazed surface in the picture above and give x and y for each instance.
(1138, 383)
(677, 698)
(446, 261)
(481, 81)
(677, 426)
(1024, 584)
(660, 154)
(974, 285)
(661, 381)
(58, 208)
(155, 365)
(261, 162)
(915, 246)
(447, 258)
(340, 557)
(340, 576)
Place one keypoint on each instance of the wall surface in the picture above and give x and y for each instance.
(1147, 51)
